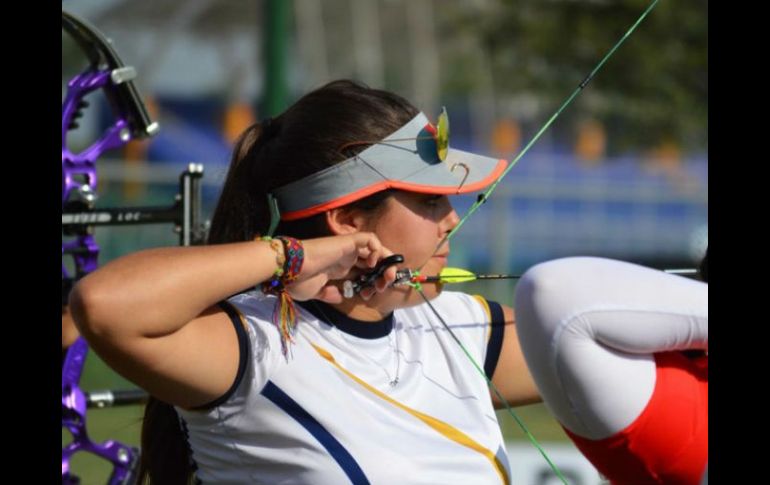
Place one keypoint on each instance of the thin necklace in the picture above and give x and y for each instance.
(393, 382)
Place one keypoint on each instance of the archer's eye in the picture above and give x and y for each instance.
(432, 200)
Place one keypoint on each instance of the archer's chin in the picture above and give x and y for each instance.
(431, 291)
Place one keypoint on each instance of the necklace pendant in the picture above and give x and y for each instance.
(394, 382)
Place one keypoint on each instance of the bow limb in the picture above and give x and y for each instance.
(106, 72)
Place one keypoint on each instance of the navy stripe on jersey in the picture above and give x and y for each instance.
(495, 343)
(243, 351)
(334, 447)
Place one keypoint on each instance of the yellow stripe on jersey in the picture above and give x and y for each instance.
(447, 430)
(483, 302)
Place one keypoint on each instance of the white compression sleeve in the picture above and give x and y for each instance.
(588, 328)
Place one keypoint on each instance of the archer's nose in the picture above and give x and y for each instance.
(450, 221)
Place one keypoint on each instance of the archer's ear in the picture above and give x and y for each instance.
(345, 221)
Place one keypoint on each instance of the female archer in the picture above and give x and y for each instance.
(262, 371)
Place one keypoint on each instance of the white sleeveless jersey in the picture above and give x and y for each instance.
(326, 413)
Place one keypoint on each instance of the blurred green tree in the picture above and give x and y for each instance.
(654, 89)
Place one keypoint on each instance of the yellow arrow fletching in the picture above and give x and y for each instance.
(455, 275)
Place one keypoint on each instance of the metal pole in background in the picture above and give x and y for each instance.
(276, 54)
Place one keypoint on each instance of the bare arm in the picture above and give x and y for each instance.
(151, 315)
(68, 331)
(154, 293)
(512, 377)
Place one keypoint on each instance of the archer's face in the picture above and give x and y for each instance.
(413, 224)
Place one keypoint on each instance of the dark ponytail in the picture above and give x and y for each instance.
(165, 457)
(303, 140)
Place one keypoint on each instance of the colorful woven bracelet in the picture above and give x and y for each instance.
(295, 257)
(289, 258)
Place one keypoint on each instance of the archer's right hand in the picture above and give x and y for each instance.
(333, 258)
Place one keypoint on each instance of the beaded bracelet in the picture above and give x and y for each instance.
(280, 255)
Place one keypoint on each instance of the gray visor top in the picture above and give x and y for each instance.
(405, 160)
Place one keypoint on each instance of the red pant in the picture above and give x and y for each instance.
(668, 442)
